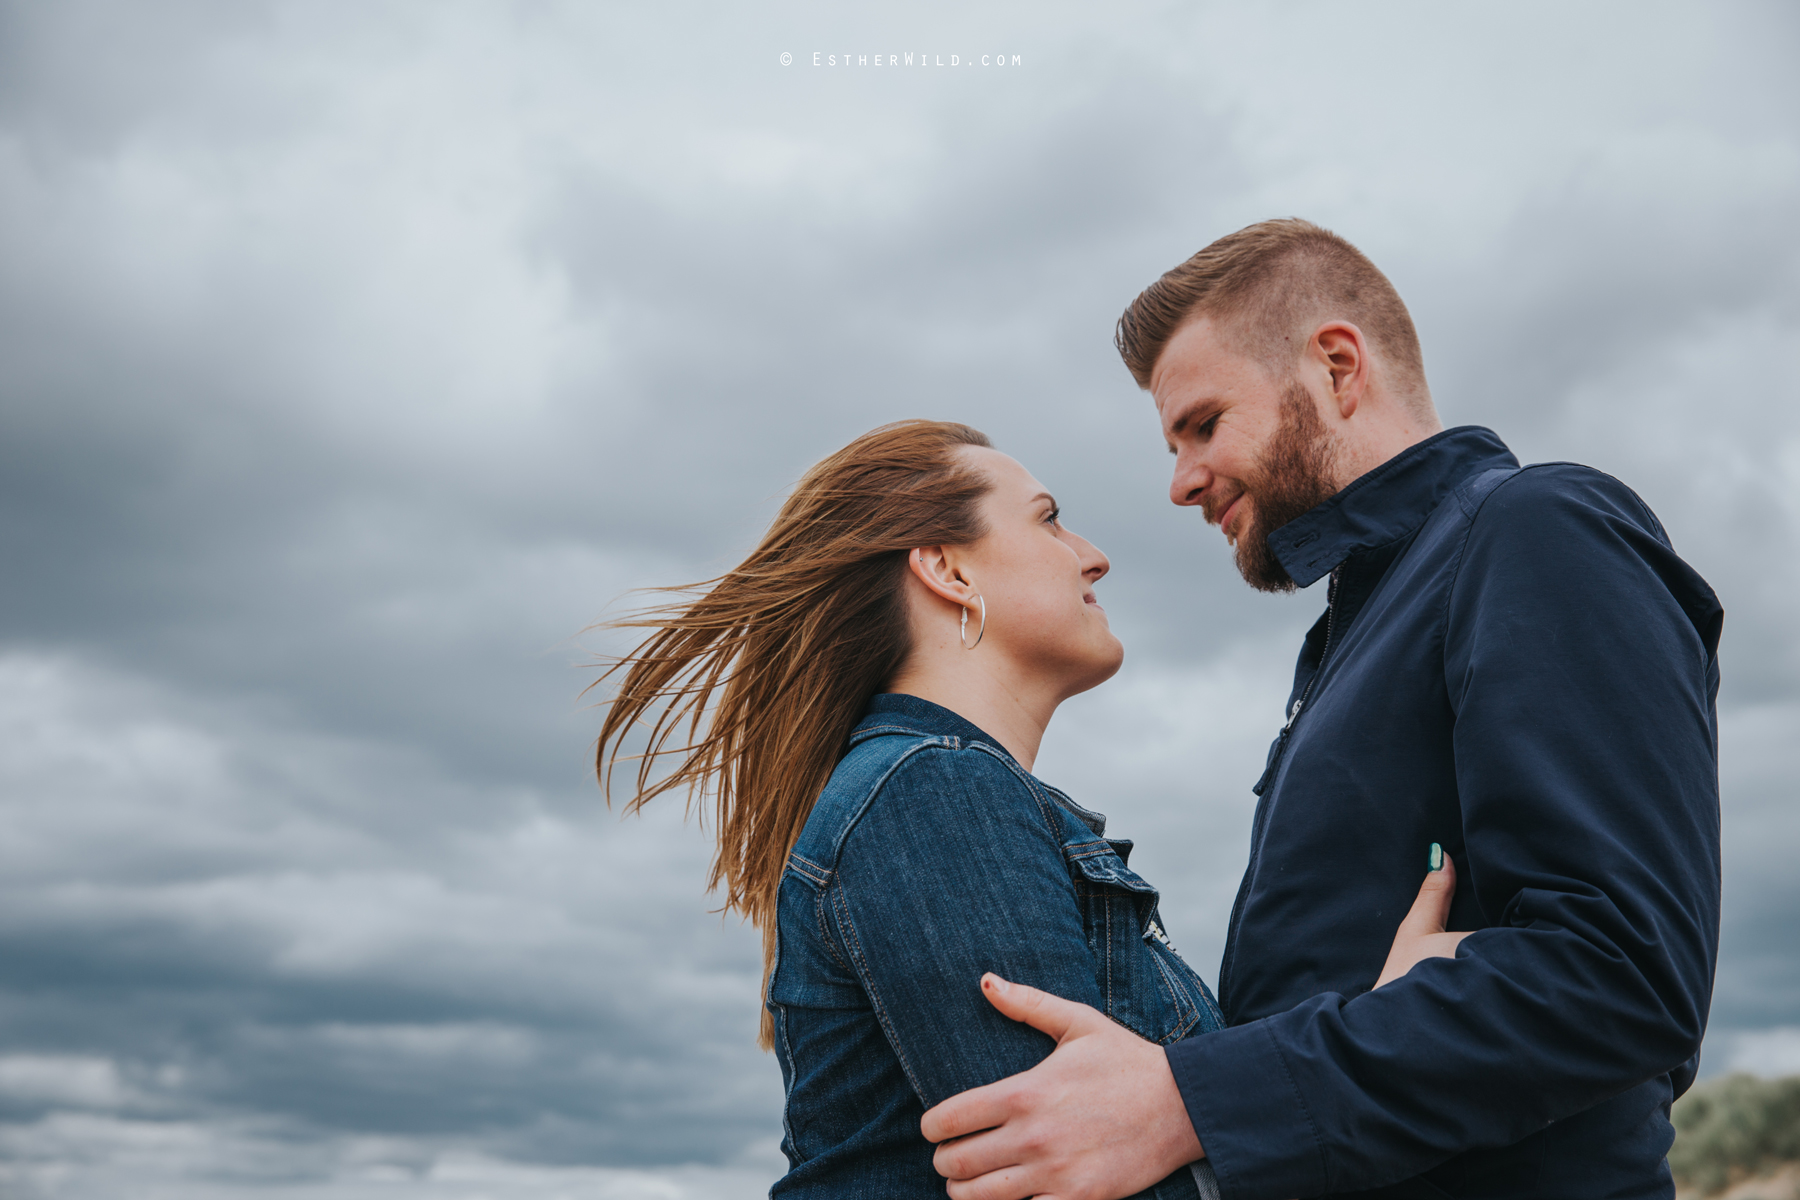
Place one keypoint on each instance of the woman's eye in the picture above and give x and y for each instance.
(1054, 514)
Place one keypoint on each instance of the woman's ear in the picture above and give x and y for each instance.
(933, 566)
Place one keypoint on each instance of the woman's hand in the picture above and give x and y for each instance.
(1421, 934)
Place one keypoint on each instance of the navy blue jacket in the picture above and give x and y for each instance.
(1515, 664)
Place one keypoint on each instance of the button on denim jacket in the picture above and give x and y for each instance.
(931, 857)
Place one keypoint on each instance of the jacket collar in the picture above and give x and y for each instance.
(897, 712)
(1388, 503)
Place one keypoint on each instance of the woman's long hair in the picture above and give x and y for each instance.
(794, 641)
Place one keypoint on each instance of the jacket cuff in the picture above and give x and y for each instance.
(1250, 1118)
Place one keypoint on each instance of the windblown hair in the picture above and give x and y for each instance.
(1271, 284)
(793, 641)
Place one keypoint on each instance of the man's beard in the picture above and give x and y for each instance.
(1294, 475)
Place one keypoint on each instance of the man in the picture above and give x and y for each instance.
(1512, 663)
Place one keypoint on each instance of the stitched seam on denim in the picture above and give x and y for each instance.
(1087, 849)
(778, 1016)
(787, 1125)
(1106, 900)
(1024, 777)
(881, 1013)
(854, 948)
(930, 743)
(831, 945)
(1063, 801)
(843, 834)
(810, 876)
(1300, 1102)
(1119, 880)
(810, 869)
(1178, 994)
(1109, 893)
(1047, 809)
(866, 730)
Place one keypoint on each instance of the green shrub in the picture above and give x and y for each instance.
(1735, 1127)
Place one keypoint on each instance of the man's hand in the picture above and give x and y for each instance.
(1099, 1119)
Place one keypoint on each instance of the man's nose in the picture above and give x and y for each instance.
(1189, 484)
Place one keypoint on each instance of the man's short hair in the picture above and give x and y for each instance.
(1271, 284)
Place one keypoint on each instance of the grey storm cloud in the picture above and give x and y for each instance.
(358, 360)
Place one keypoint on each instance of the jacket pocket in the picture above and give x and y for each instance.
(1144, 984)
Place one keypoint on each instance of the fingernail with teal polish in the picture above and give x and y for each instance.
(1436, 857)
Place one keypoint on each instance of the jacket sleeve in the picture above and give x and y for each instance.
(955, 870)
(1579, 659)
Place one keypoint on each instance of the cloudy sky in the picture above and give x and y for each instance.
(355, 358)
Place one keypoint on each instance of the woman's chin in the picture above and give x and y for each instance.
(1115, 660)
(1104, 664)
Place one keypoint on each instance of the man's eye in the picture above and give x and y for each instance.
(1206, 426)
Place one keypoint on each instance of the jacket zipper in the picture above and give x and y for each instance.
(1324, 653)
(1237, 906)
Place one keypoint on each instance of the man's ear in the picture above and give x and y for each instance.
(934, 566)
(1343, 350)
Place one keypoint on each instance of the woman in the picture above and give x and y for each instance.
(886, 663)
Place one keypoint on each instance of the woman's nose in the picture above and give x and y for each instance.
(1094, 564)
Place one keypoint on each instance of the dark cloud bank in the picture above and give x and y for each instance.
(355, 361)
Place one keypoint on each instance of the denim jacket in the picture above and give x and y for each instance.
(930, 857)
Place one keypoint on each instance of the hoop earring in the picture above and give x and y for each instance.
(981, 632)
